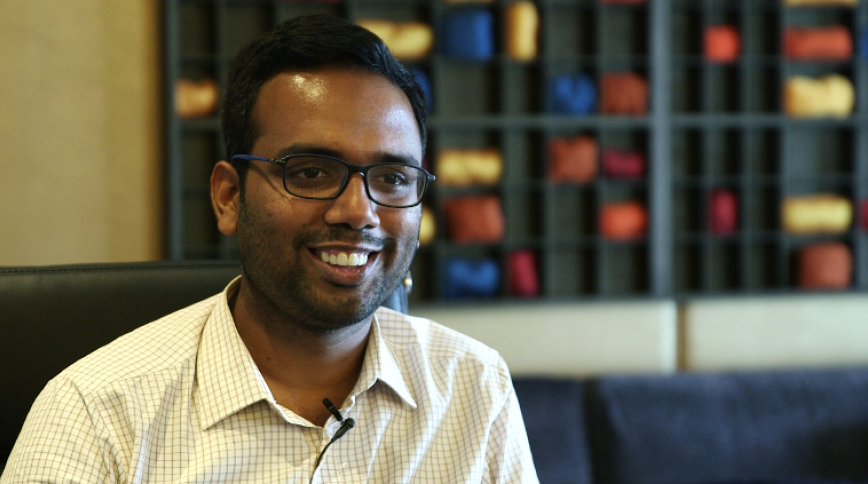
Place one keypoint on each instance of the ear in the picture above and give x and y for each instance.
(225, 194)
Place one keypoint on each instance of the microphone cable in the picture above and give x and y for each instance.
(346, 424)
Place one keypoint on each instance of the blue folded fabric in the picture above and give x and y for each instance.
(468, 34)
(863, 44)
(425, 84)
(468, 278)
(573, 94)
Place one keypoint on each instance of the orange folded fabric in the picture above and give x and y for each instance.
(722, 43)
(573, 159)
(623, 220)
(825, 265)
(828, 43)
(474, 219)
(623, 93)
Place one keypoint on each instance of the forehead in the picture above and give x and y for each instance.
(345, 110)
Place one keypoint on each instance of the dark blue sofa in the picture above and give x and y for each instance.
(781, 426)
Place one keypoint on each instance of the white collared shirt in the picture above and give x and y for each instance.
(180, 400)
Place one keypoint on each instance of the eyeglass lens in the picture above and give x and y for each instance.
(320, 177)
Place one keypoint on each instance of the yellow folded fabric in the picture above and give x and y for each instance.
(816, 214)
(407, 40)
(463, 167)
(831, 95)
(522, 28)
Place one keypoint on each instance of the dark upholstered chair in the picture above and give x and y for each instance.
(50, 316)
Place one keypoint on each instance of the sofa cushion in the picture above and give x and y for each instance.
(554, 417)
(731, 427)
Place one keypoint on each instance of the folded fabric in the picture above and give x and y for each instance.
(424, 83)
(806, 3)
(407, 40)
(523, 279)
(573, 94)
(464, 167)
(623, 164)
(195, 99)
(831, 95)
(623, 93)
(722, 43)
(827, 43)
(863, 211)
(468, 33)
(723, 212)
(521, 32)
(573, 159)
(825, 265)
(623, 220)
(816, 214)
(427, 226)
(476, 219)
(470, 278)
(863, 44)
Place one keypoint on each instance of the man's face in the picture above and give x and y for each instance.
(284, 241)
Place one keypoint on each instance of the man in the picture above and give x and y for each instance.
(324, 133)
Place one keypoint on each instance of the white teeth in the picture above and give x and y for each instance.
(344, 259)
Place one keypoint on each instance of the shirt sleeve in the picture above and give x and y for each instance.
(59, 442)
(508, 454)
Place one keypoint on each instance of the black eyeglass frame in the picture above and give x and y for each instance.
(351, 168)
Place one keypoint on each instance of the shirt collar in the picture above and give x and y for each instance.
(380, 365)
(229, 381)
(226, 374)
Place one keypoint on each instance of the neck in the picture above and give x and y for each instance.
(302, 363)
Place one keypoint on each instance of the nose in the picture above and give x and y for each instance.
(353, 207)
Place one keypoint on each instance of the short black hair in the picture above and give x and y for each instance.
(306, 43)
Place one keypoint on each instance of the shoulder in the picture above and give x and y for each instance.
(440, 348)
(162, 345)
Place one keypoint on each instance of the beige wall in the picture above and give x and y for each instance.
(80, 136)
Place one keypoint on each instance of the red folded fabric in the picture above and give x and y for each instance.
(623, 164)
(474, 219)
(828, 43)
(723, 212)
(722, 43)
(623, 93)
(573, 159)
(863, 212)
(825, 265)
(623, 220)
(523, 280)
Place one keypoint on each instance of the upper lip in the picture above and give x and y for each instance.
(344, 248)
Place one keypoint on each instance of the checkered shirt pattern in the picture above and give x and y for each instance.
(180, 400)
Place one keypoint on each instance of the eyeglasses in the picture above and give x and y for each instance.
(321, 177)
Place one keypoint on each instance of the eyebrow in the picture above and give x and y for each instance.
(380, 157)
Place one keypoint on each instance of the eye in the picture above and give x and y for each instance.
(312, 169)
(309, 172)
(394, 179)
(387, 175)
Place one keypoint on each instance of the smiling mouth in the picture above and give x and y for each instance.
(344, 259)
